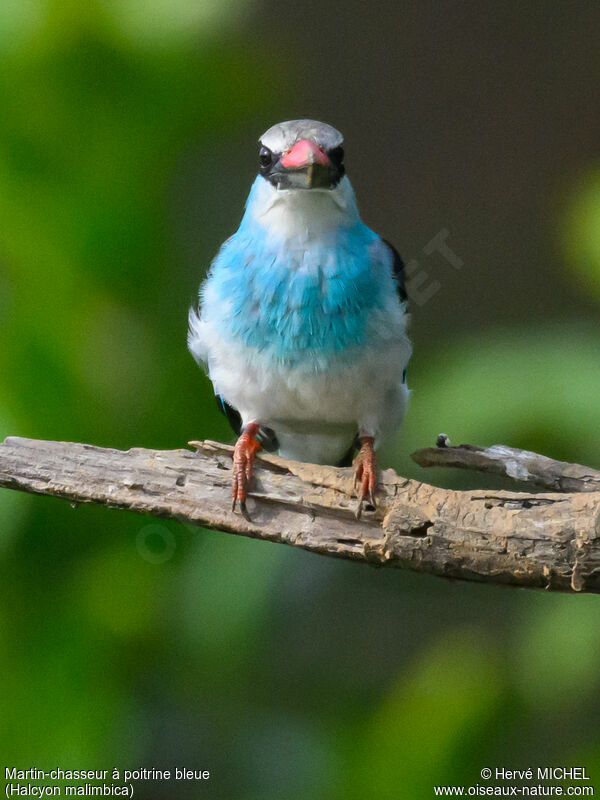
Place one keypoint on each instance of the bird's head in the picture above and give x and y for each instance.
(302, 154)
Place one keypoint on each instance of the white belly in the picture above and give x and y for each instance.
(315, 413)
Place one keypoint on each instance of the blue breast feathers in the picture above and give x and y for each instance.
(299, 304)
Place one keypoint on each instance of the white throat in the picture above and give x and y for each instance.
(289, 213)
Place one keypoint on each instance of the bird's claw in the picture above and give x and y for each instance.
(365, 474)
(243, 509)
(244, 452)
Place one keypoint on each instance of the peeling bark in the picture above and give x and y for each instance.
(548, 540)
(521, 465)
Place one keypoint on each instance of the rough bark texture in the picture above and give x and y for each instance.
(521, 465)
(538, 540)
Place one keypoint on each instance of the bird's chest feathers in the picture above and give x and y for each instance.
(304, 300)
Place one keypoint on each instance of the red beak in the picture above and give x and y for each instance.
(303, 154)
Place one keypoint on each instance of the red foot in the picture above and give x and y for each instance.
(366, 472)
(246, 448)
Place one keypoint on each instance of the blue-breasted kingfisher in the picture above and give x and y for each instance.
(302, 321)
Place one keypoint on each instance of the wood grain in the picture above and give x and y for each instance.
(548, 540)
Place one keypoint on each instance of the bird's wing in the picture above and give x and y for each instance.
(400, 276)
(233, 416)
(399, 271)
(265, 436)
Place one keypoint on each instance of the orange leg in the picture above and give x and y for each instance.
(366, 472)
(246, 448)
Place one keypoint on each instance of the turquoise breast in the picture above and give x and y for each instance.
(301, 304)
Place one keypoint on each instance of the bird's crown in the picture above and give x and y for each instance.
(284, 135)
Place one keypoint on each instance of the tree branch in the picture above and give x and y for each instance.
(521, 465)
(547, 540)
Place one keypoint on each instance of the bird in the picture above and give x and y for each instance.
(302, 319)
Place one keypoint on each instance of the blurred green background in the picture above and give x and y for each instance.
(127, 146)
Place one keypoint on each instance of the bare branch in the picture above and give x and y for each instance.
(535, 540)
(521, 465)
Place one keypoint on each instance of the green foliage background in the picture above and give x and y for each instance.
(126, 149)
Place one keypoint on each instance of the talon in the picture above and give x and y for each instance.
(243, 461)
(358, 511)
(365, 474)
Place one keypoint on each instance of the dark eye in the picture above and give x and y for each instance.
(265, 156)
(336, 156)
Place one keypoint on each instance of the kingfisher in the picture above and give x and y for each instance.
(302, 319)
